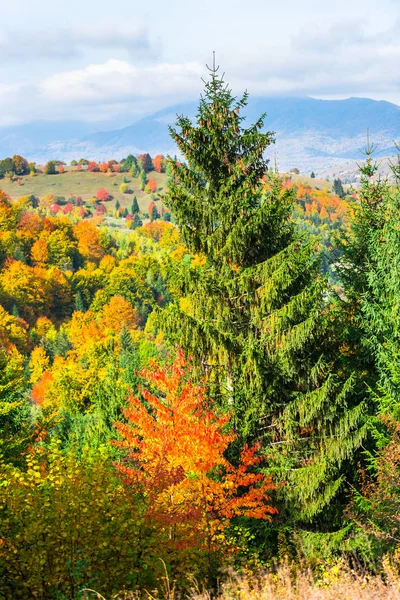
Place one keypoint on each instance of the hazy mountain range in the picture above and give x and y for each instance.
(310, 133)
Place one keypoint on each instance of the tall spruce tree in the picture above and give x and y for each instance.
(380, 302)
(135, 206)
(252, 313)
(357, 267)
(338, 188)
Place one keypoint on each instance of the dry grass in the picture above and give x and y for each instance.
(337, 583)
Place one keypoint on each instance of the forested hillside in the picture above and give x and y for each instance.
(199, 373)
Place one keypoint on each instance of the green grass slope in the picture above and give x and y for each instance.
(85, 184)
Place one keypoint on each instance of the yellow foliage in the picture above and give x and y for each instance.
(12, 330)
(66, 523)
(38, 364)
(199, 260)
(186, 305)
(43, 326)
(107, 263)
(83, 330)
(179, 253)
(117, 314)
(40, 252)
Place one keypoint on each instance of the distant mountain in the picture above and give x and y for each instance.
(310, 133)
(336, 118)
(27, 138)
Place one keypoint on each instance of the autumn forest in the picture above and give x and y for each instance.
(199, 372)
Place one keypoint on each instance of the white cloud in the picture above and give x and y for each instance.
(119, 80)
(56, 44)
(345, 60)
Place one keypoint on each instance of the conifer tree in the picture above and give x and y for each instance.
(253, 318)
(142, 180)
(136, 221)
(338, 188)
(379, 319)
(135, 206)
(357, 264)
(79, 303)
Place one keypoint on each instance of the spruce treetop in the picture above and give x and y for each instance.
(222, 168)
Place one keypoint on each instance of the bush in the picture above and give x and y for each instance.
(66, 524)
(51, 168)
(124, 188)
(103, 195)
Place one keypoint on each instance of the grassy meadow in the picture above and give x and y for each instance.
(83, 183)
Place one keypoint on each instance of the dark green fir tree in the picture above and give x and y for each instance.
(79, 303)
(254, 318)
(379, 298)
(136, 221)
(338, 188)
(356, 266)
(135, 206)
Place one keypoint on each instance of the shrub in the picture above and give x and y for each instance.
(66, 524)
(51, 168)
(103, 195)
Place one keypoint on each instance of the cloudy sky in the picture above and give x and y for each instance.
(111, 62)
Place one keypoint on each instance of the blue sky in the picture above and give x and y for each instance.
(113, 62)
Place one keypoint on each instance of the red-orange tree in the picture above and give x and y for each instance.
(176, 444)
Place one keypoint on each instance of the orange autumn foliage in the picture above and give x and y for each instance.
(89, 241)
(84, 331)
(166, 234)
(158, 163)
(40, 253)
(176, 444)
(39, 389)
(119, 313)
(152, 185)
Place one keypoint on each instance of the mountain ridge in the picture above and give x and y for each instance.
(310, 132)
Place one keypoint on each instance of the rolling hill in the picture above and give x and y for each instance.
(311, 134)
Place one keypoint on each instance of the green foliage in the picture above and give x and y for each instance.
(362, 279)
(20, 165)
(136, 221)
(67, 523)
(135, 206)
(14, 410)
(338, 188)
(254, 318)
(308, 371)
(145, 162)
(51, 168)
(6, 166)
(79, 303)
(142, 180)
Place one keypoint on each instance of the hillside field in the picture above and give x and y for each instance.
(85, 184)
